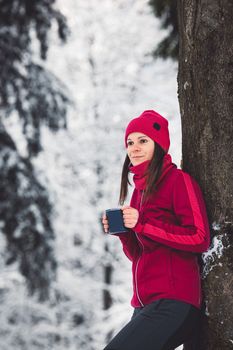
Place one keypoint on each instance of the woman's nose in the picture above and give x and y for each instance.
(136, 148)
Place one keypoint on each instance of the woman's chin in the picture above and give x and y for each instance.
(138, 161)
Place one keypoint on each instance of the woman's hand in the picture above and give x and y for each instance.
(105, 223)
(130, 216)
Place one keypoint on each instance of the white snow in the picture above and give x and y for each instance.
(214, 253)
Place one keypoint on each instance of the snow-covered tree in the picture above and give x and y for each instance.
(24, 217)
(25, 86)
(36, 97)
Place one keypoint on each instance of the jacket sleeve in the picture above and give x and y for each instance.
(192, 231)
(129, 244)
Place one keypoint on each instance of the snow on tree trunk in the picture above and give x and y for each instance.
(205, 85)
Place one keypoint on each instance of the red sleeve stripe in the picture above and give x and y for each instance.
(197, 216)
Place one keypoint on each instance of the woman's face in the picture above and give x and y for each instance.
(139, 148)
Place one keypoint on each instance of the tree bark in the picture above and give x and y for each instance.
(205, 84)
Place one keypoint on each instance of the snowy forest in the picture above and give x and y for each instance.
(73, 74)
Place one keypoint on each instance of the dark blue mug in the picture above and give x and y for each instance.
(115, 221)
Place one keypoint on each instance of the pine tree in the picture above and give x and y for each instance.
(24, 216)
(38, 97)
(25, 86)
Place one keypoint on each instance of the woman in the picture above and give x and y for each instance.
(168, 228)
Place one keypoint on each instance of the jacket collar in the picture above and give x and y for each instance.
(140, 170)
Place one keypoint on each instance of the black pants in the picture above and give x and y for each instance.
(162, 325)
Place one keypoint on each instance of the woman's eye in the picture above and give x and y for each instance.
(129, 143)
(143, 141)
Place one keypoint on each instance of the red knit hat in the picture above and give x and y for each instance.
(153, 125)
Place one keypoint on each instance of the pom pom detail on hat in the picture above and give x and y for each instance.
(153, 125)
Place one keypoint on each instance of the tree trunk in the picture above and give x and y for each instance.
(205, 83)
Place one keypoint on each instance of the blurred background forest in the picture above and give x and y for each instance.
(73, 73)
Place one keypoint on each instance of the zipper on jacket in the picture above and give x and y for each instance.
(136, 269)
(136, 272)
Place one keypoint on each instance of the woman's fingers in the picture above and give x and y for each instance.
(130, 216)
(105, 223)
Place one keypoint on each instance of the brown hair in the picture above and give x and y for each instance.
(152, 174)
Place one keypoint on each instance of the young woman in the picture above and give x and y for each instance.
(168, 228)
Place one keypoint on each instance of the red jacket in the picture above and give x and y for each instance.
(171, 230)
